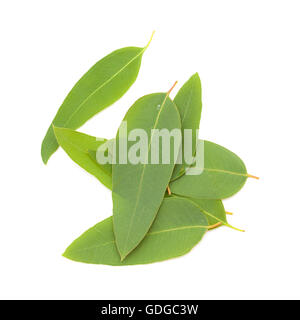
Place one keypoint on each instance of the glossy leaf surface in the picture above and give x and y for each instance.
(223, 175)
(106, 82)
(178, 227)
(138, 189)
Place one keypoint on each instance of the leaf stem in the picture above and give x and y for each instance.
(229, 213)
(169, 190)
(150, 40)
(234, 228)
(213, 226)
(168, 93)
(251, 176)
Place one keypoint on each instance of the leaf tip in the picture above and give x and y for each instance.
(196, 75)
(65, 254)
(150, 40)
(45, 161)
(44, 156)
(234, 228)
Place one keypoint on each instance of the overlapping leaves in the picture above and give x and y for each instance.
(148, 223)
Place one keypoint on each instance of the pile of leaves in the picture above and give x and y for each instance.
(160, 211)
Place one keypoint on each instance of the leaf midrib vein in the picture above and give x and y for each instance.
(103, 84)
(143, 169)
(225, 171)
(148, 234)
(177, 229)
(75, 146)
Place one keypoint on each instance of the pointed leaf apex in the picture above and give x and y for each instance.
(150, 40)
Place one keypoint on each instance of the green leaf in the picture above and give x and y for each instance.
(106, 167)
(76, 145)
(224, 174)
(213, 209)
(83, 142)
(105, 83)
(178, 227)
(189, 104)
(138, 189)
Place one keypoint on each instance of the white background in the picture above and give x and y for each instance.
(247, 55)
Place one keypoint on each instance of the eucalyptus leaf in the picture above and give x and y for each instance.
(105, 83)
(224, 174)
(138, 189)
(213, 210)
(178, 227)
(189, 104)
(76, 145)
(106, 167)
